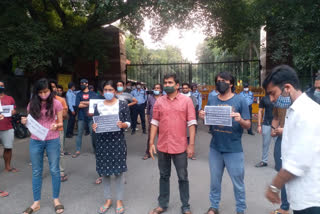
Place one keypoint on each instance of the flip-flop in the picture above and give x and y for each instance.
(67, 153)
(3, 194)
(103, 209)
(118, 210)
(12, 170)
(99, 180)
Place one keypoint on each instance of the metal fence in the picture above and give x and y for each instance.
(200, 73)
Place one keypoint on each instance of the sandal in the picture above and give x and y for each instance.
(99, 180)
(280, 211)
(59, 207)
(215, 211)
(261, 164)
(67, 153)
(118, 210)
(193, 158)
(75, 155)
(157, 210)
(3, 194)
(103, 209)
(11, 170)
(64, 178)
(29, 210)
(146, 156)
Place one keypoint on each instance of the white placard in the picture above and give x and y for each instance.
(93, 103)
(107, 123)
(36, 128)
(218, 115)
(7, 110)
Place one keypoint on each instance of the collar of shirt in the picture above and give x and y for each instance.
(299, 102)
(176, 97)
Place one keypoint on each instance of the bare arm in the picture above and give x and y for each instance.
(134, 101)
(260, 113)
(153, 133)
(84, 104)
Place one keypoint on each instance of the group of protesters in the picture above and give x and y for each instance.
(286, 114)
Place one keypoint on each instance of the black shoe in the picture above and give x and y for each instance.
(133, 132)
(261, 164)
(87, 133)
(144, 132)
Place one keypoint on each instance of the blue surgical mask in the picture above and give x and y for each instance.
(156, 92)
(108, 95)
(119, 89)
(283, 102)
(317, 94)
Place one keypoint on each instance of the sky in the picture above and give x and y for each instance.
(186, 40)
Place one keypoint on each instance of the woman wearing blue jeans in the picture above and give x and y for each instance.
(45, 109)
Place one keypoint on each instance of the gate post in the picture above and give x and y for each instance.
(190, 73)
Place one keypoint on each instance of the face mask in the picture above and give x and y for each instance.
(246, 89)
(222, 87)
(1, 90)
(129, 87)
(108, 95)
(133, 87)
(138, 86)
(156, 92)
(187, 94)
(317, 94)
(44, 97)
(82, 87)
(59, 94)
(120, 89)
(169, 89)
(283, 102)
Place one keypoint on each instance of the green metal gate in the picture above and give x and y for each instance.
(200, 73)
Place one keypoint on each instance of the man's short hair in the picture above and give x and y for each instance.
(226, 76)
(187, 84)
(60, 86)
(173, 76)
(120, 81)
(317, 78)
(53, 81)
(281, 75)
(70, 85)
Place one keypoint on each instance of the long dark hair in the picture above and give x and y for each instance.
(35, 102)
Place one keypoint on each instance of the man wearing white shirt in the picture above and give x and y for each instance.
(300, 144)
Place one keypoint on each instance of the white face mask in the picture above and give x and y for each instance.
(246, 89)
(187, 94)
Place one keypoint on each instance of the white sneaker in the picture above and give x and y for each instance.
(137, 129)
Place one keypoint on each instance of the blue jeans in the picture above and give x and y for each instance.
(266, 138)
(52, 148)
(81, 126)
(234, 162)
(278, 165)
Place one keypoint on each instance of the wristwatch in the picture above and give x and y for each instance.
(274, 189)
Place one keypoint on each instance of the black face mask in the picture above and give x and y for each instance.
(222, 87)
(1, 90)
(82, 87)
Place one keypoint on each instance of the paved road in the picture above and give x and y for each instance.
(81, 196)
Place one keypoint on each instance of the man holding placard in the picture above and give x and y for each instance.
(6, 129)
(228, 114)
(82, 103)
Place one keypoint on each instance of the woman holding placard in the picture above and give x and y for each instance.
(111, 148)
(45, 112)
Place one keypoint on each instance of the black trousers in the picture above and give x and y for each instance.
(138, 110)
(181, 163)
(71, 121)
(311, 210)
